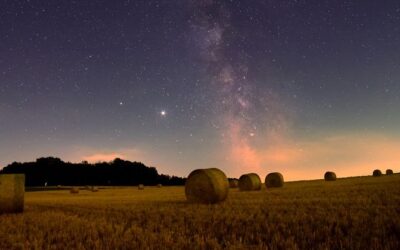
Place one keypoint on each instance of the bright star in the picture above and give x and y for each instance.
(163, 113)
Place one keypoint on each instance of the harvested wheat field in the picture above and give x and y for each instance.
(353, 213)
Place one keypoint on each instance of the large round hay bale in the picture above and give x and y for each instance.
(206, 186)
(74, 190)
(159, 185)
(141, 187)
(389, 172)
(95, 189)
(330, 176)
(12, 193)
(274, 180)
(377, 173)
(233, 183)
(249, 182)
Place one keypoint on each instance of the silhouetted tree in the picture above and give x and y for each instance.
(54, 171)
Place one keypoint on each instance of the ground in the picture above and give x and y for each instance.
(352, 213)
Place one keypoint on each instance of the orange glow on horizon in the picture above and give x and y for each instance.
(347, 155)
(105, 157)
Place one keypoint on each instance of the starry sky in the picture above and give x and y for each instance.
(299, 87)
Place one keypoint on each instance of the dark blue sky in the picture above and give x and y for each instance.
(293, 86)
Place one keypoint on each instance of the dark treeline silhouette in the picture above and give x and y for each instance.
(54, 171)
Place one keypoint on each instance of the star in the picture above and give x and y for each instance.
(163, 113)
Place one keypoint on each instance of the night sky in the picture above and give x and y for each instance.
(298, 87)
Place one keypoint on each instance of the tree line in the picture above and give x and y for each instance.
(52, 171)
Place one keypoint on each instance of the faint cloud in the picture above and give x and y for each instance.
(94, 155)
(103, 157)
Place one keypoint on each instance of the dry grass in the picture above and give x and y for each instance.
(354, 213)
(377, 173)
(12, 193)
(233, 183)
(75, 190)
(207, 186)
(273, 180)
(249, 182)
(330, 176)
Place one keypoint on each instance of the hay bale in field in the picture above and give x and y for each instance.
(94, 189)
(377, 173)
(159, 185)
(330, 176)
(274, 180)
(59, 187)
(206, 186)
(141, 187)
(233, 183)
(249, 182)
(74, 190)
(389, 172)
(12, 193)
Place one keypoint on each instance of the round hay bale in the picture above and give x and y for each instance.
(274, 180)
(330, 176)
(159, 185)
(389, 172)
(249, 182)
(59, 186)
(95, 189)
(141, 187)
(377, 173)
(12, 193)
(74, 190)
(233, 183)
(206, 186)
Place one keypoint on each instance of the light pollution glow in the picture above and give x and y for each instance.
(352, 154)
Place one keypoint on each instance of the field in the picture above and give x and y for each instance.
(353, 213)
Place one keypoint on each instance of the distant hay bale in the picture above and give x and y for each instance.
(377, 173)
(330, 176)
(95, 189)
(206, 186)
(159, 185)
(141, 187)
(12, 193)
(274, 180)
(233, 183)
(249, 182)
(59, 187)
(389, 172)
(74, 190)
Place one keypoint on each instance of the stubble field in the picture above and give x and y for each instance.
(353, 213)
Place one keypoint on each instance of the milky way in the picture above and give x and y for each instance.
(243, 114)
